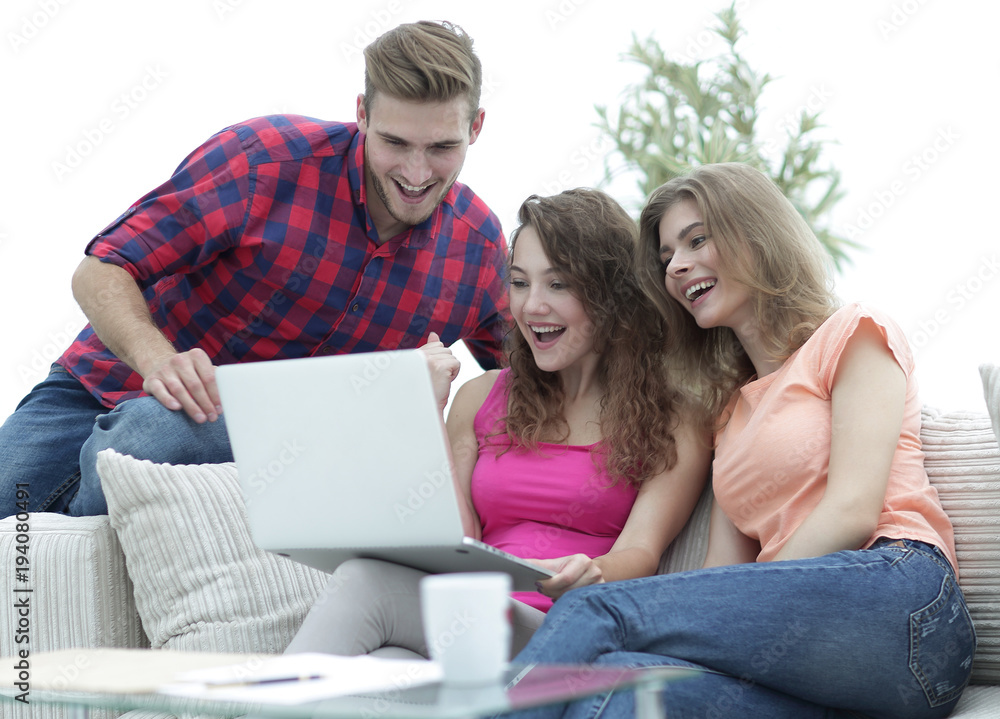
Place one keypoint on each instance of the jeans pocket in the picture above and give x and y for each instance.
(942, 645)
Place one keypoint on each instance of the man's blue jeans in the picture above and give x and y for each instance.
(50, 444)
(882, 632)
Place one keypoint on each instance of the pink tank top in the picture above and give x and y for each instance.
(545, 504)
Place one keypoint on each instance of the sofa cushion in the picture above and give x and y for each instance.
(689, 547)
(963, 463)
(977, 702)
(77, 557)
(201, 584)
(991, 391)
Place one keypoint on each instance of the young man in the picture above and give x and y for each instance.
(279, 237)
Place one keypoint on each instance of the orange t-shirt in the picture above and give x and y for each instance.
(772, 457)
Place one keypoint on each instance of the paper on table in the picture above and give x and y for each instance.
(338, 676)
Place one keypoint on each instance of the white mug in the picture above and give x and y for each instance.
(467, 624)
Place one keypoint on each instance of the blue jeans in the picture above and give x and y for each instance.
(882, 632)
(50, 444)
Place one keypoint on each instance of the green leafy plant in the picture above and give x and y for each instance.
(685, 115)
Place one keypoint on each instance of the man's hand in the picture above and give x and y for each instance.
(186, 381)
(118, 313)
(444, 367)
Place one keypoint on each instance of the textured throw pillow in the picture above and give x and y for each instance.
(689, 547)
(991, 391)
(201, 584)
(963, 463)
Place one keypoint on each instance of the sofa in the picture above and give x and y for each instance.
(173, 565)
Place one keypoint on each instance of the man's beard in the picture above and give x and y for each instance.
(383, 195)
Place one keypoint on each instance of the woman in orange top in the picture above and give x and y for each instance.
(830, 585)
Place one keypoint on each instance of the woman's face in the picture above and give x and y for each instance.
(692, 274)
(550, 317)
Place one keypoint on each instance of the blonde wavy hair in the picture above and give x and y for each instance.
(591, 240)
(423, 62)
(763, 243)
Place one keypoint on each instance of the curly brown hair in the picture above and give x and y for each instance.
(591, 240)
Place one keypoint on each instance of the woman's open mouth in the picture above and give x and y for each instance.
(696, 291)
(547, 335)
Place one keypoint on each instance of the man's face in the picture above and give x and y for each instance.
(413, 154)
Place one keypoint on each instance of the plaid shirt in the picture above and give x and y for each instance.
(260, 247)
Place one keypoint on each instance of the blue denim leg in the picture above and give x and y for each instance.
(40, 443)
(730, 696)
(145, 429)
(884, 632)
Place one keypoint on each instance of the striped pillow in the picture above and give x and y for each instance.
(963, 462)
(201, 584)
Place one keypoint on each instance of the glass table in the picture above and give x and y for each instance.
(520, 689)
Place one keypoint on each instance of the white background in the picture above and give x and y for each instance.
(103, 98)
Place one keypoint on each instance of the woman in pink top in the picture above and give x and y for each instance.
(830, 585)
(577, 456)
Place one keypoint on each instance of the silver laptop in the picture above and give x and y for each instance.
(345, 456)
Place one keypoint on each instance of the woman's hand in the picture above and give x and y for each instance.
(576, 570)
(443, 365)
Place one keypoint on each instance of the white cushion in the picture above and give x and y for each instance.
(688, 549)
(82, 595)
(201, 584)
(977, 702)
(991, 392)
(963, 463)
(77, 558)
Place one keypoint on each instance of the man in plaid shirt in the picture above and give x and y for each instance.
(279, 237)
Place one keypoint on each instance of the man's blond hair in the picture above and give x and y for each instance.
(423, 62)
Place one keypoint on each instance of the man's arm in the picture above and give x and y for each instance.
(118, 313)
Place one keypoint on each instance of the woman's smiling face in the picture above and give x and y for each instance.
(548, 314)
(692, 275)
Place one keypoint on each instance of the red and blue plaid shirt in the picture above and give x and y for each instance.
(260, 247)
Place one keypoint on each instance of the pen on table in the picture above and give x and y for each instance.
(257, 682)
